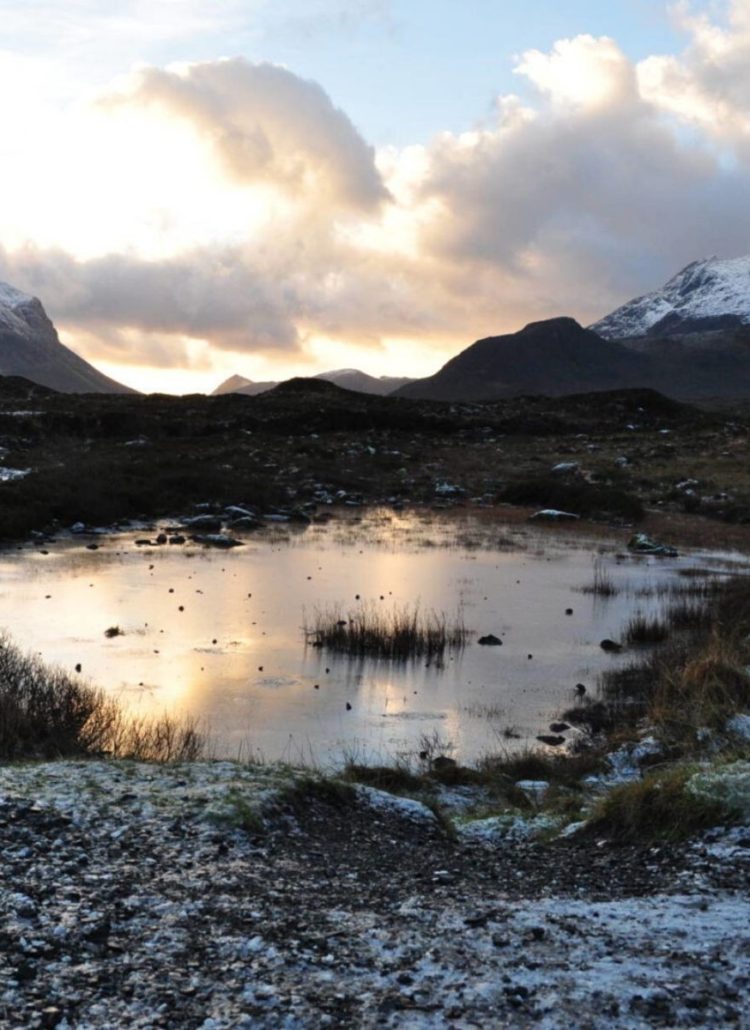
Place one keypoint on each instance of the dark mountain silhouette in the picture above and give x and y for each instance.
(347, 378)
(30, 347)
(553, 358)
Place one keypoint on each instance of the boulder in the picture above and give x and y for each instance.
(216, 540)
(640, 543)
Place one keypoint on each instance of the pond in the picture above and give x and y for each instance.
(219, 635)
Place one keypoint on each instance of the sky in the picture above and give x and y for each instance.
(283, 187)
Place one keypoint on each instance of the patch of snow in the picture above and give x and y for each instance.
(12, 297)
(704, 289)
(9, 475)
(740, 726)
(507, 827)
(535, 789)
(553, 515)
(626, 762)
(728, 784)
(391, 803)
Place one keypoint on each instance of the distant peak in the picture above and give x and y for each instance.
(703, 292)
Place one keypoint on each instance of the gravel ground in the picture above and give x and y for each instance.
(132, 896)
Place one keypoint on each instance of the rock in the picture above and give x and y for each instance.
(208, 523)
(490, 640)
(234, 511)
(551, 741)
(534, 789)
(448, 490)
(565, 467)
(580, 689)
(161, 539)
(78, 527)
(559, 727)
(640, 543)
(300, 517)
(220, 540)
(177, 538)
(553, 515)
(443, 762)
(610, 646)
(247, 523)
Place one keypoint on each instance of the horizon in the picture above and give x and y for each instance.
(271, 190)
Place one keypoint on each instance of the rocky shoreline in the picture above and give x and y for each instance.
(215, 895)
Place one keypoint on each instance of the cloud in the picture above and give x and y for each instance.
(596, 183)
(586, 195)
(268, 125)
(708, 85)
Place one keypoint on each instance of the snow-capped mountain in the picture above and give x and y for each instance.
(30, 347)
(707, 295)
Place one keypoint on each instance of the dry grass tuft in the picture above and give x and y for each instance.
(657, 808)
(704, 691)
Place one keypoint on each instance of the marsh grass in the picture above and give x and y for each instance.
(703, 691)
(399, 634)
(564, 770)
(602, 584)
(45, 713)
(659, 807)
(646, 630)
(307, 790)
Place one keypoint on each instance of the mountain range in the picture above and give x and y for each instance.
(690, 339)
(347, 378)
(30, 347)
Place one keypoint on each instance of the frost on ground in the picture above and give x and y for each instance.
(193, 896)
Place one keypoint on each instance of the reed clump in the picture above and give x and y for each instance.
(644, 629)
(402, 632)
(602, 585)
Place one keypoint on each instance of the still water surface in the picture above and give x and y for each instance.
(219, 635)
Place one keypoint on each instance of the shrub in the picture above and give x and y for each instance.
(576, 495)
(659, 807)
(45, 713)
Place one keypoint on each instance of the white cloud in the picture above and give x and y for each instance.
(228, 208)
(268, 125)
(709, 84)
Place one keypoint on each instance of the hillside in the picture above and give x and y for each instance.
(30, 347)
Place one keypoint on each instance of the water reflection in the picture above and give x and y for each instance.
(219, 635)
